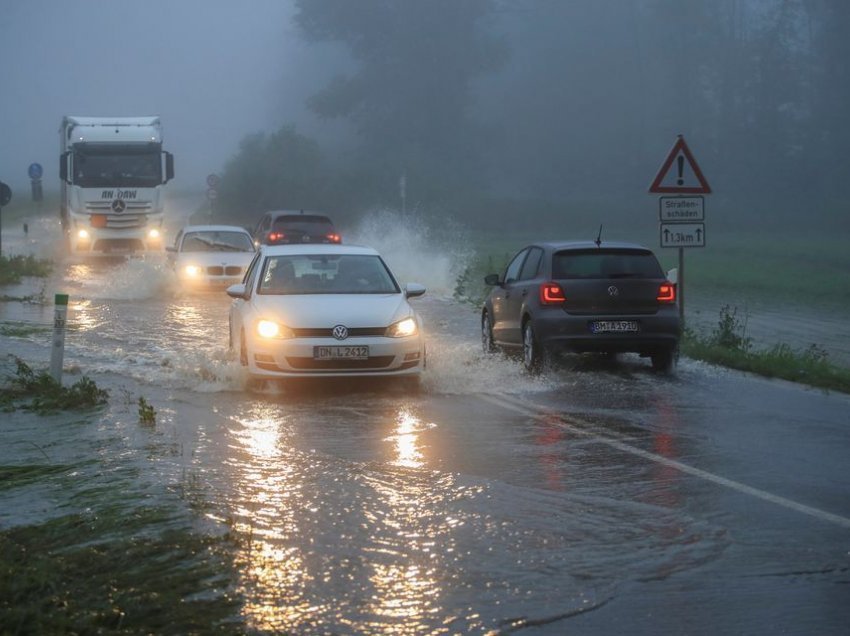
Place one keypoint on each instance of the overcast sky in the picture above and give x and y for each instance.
(213, 70)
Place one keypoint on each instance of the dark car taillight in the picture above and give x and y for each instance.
(666, 293)
(334, 238)
(552, 294)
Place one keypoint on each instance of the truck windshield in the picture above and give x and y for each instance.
(98, 166)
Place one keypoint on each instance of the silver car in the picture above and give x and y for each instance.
(211, 256)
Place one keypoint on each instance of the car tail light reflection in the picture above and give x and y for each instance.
(666, 293)
(552, 294)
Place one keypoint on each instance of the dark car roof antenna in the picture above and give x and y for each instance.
(598, 240)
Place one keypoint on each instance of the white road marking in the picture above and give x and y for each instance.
(518, 406)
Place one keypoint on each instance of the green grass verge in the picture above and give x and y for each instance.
(728, 346)
(40, 393)
(780, 361)
(113, 572)
(13, 268)
(21, 329)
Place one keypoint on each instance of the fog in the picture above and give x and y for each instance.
(213, 71)
(539, 101)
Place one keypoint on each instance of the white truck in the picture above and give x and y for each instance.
(112, 172)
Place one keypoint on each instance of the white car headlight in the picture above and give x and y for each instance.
(272, 329)
(192, 270)
(402, 328)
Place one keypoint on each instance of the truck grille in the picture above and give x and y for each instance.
(134, 216)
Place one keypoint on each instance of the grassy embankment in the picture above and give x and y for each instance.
(121, 565)
(113, 570)
(783, 269)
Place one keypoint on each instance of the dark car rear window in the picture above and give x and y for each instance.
(605, 263)
(304, 223)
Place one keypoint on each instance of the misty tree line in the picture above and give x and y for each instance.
(487, 105)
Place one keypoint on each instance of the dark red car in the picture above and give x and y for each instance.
(281, 227)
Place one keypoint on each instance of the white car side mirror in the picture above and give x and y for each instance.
(412, 290)
(236, 291)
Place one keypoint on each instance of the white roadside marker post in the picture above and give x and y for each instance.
(60, 316)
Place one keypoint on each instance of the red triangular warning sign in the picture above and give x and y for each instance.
(680, 174)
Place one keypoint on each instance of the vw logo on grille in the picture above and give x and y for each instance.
(340, 332)
(118, 206)
(613, 291)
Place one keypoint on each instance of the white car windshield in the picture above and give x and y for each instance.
(214, 241)
(326, 274)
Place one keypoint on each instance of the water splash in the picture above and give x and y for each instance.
(135, 279)
(457, 368)
(416, 250)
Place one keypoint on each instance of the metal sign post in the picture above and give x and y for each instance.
(213, 180)
(35, 172)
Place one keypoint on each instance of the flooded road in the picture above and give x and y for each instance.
(599, 498)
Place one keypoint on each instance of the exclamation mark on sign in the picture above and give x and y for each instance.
(681, 161)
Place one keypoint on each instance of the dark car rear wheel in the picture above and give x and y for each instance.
(487, 344)
(532, 353)
(664, 361)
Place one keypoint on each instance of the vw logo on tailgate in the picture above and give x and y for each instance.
(340, 332)
(613, 291)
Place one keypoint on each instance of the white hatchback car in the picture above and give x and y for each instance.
(325, 310)
(211, 256)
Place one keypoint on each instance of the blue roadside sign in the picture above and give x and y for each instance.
(35, 171)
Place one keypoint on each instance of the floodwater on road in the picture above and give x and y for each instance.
(490, 501)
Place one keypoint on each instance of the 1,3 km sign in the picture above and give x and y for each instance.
(682, 234)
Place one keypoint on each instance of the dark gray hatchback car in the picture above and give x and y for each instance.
(582, 297)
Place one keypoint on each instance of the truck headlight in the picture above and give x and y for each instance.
(192, 270)
(153, 234)
(83, 235)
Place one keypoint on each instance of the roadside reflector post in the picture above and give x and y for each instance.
(60, 317)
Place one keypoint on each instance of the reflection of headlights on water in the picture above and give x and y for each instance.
(402, 328)
(192, 271)
(271, 329)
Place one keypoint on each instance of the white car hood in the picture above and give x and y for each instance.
(206, 259)
(329, 310)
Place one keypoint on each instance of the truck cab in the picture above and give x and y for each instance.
(112, 173)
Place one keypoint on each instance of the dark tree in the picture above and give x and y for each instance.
(283, 170)
(410, 93)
